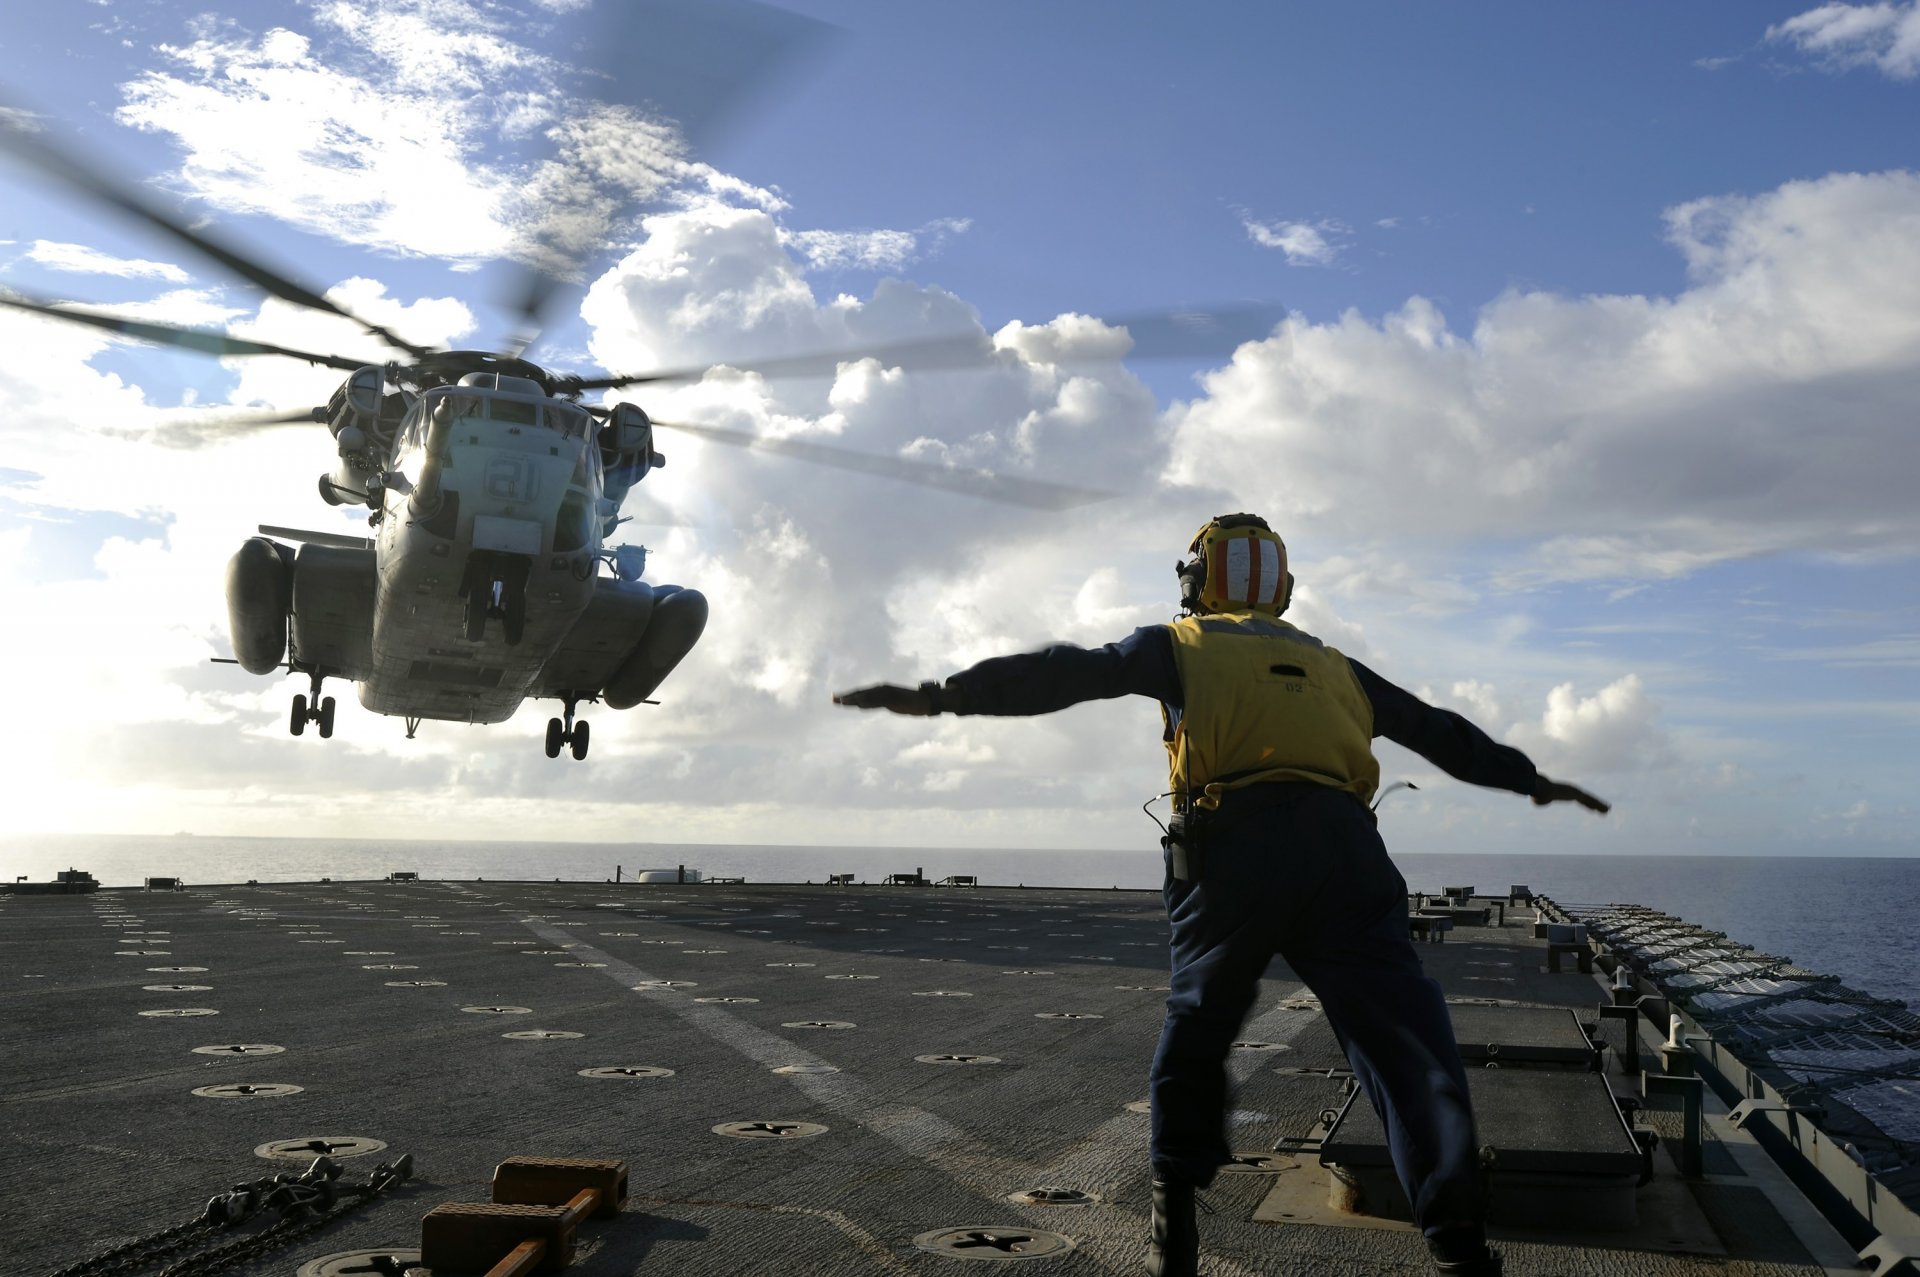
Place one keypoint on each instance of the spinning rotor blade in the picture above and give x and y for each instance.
(1191, 333)
(692, 69)
(197, 339)
(1035, 494)
(63, 163)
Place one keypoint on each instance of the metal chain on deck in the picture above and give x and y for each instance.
(306, 1202)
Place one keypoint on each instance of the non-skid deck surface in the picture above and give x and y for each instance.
(372, 990)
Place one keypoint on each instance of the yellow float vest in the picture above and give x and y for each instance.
(1265, 702)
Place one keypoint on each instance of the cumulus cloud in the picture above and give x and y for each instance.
(1609, 436)
(1302, 243)
(1840, 37)
(1615, 729)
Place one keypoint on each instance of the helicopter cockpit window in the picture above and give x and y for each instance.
(445, 404)
(570, 421)
(516, 412)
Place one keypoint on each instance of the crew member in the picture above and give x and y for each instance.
(1273, 849)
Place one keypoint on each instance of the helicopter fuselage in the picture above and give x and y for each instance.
(507, 530)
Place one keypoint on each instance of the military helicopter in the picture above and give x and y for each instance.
(491, 490)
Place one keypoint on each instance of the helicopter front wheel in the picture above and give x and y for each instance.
(297, 720)
(580, 739)
(556, 737)
(325, 718)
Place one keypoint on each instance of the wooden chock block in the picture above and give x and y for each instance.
(471, 1237)
(553, 1181)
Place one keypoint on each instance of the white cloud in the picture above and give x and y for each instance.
(1884, 36)
(1303, 243)
(1614, 730)
(1608, 436)
(881, 250)
(80, 259)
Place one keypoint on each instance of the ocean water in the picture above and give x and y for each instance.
(1855, 918)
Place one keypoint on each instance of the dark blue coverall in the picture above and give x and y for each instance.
(1299, 870)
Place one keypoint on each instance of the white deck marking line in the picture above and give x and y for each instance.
(923, 1135)
(1114, 1152)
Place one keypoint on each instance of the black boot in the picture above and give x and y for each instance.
(1173, 1248)
(1463, 1252)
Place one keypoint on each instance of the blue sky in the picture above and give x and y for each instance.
(1593, 418)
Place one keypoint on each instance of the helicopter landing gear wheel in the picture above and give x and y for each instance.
(297, 720)
(563, 732)
(326, 718)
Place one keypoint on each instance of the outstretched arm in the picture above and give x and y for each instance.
(1457, 747)
(1038, 682)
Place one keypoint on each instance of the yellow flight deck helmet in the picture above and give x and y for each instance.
(1238, 565)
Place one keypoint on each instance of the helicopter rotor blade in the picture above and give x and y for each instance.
(204, 341)
(1185, 333)
(695, 67)
(1035, 494)
(64, 164)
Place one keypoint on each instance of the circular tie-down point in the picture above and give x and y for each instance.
(644, 985)
(389, 966)
(143, 953)
(1261, 1046)
(1026, 973)
(850, 976)
(240, 1048)
(627, 1072)
(1139, 1106)
(703, 951)
(247, 1090)
(1144, 988)
(622, 935)
(1051, 1195)
(958, 1059)
(550, 953)
(769, 1130)
(416, 984)
(817, 1024)
(1067, 1015)
(393, 1261)
(990, 1242)
(579, 964)
(805, 1068)
(179, 1011)
(942, 993)
(1257, 1164)
(499, 1010)
(541, 1035)
(367, 953)
(728, 1000)
(304, 1148)
(177, 988)
(174, 970)
(790, 964)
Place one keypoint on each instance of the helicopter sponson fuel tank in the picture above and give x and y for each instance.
(259, 599)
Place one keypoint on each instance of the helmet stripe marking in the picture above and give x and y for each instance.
(1255, 561)
(1217, 563)
(1239, 568)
